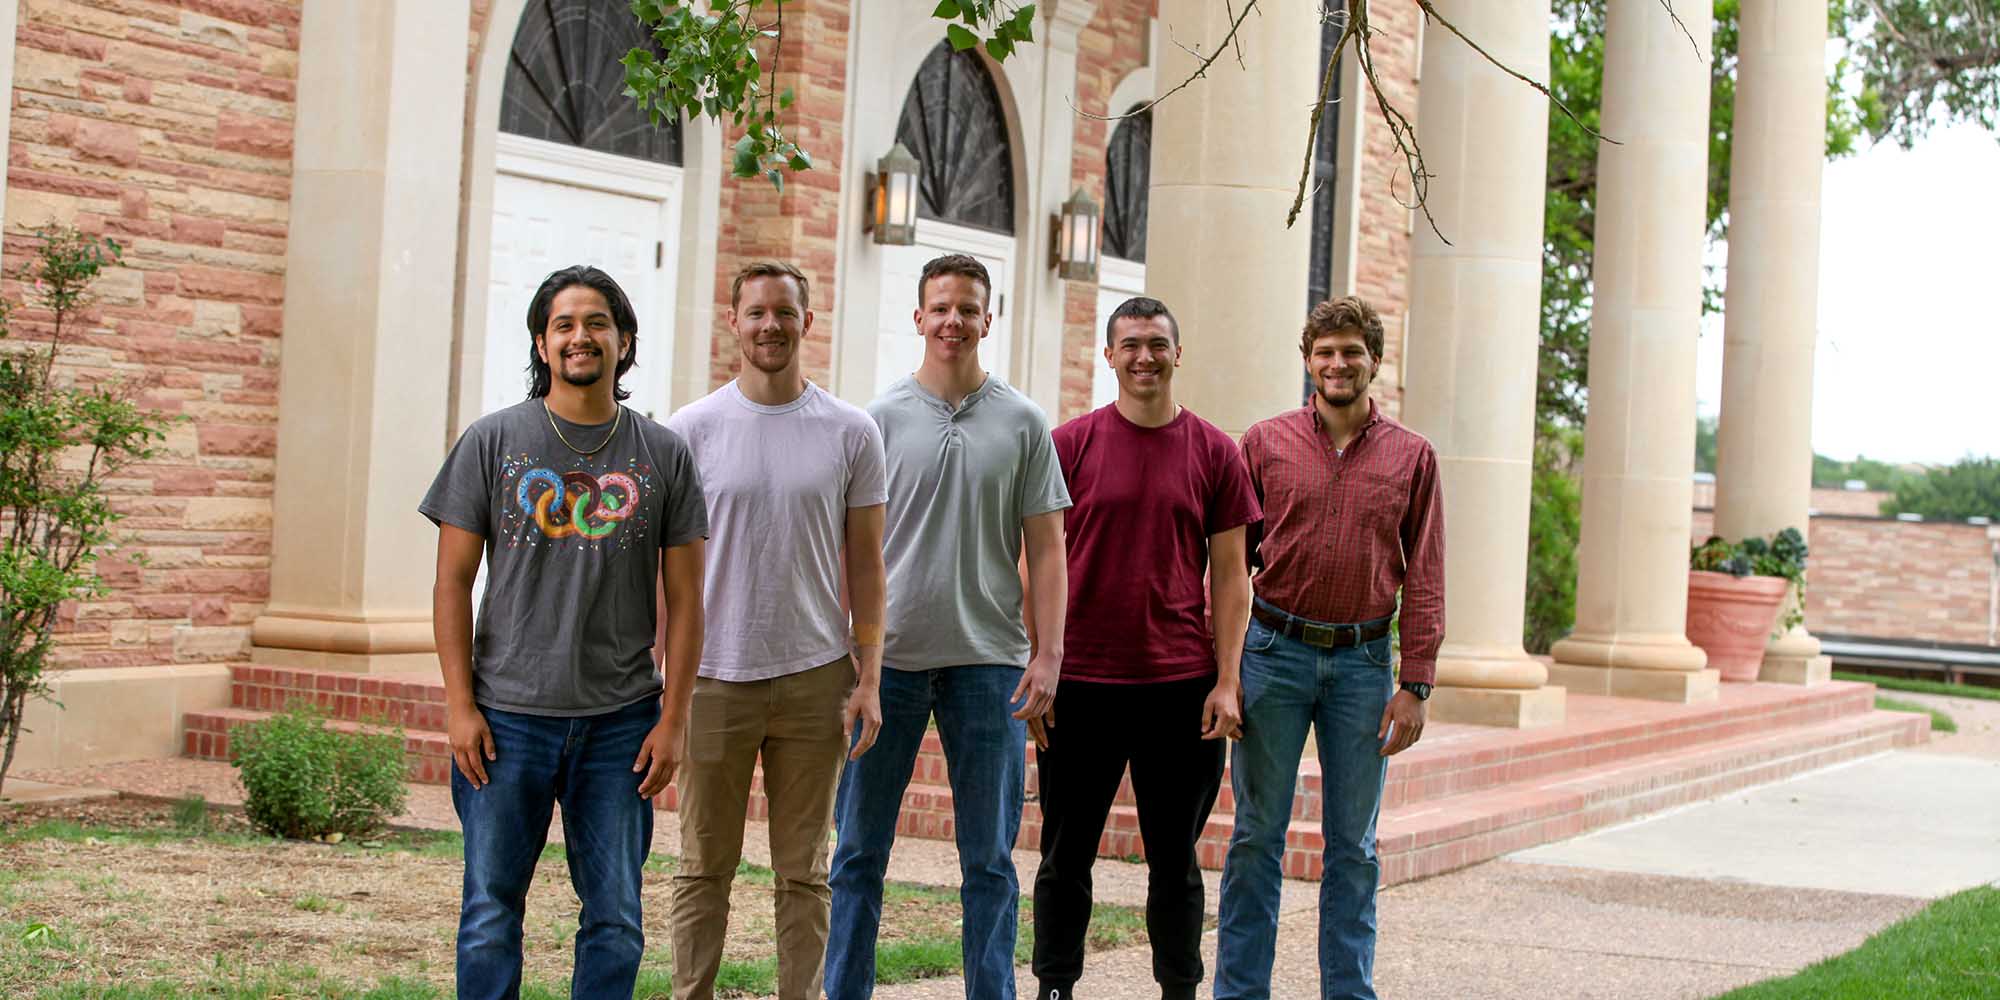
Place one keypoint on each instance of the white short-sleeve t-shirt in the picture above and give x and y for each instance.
(779, 481)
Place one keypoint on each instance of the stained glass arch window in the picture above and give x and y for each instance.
(953, 121)
(565, 82)
(1128, 178)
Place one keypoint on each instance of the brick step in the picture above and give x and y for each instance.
(1431, 837)
(1452, 760)
(205, 736)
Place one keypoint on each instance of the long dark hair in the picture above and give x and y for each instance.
(538, 323)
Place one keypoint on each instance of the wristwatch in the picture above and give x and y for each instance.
(1422, 691)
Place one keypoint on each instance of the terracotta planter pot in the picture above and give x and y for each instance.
(1731, 618)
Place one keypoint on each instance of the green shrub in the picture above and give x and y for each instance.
(1555, 523)
(305, 780)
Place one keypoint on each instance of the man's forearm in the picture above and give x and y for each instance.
(682, 658)
(1048, 576)
(867, 586)
(1229, 595)
(451, 629)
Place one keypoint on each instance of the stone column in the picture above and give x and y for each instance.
(1226, 155)
(1763, 480)
(1638, 459)
(1474, 329)
(367, 339)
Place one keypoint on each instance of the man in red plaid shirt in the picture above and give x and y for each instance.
(1352, 515)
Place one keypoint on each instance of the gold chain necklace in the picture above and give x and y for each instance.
(600, 445)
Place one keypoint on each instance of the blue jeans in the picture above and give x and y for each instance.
(1340, 693)
(985, 750)
(584, 763)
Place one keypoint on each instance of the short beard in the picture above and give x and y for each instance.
(1360, 390)
(580, 381)
(750, 358)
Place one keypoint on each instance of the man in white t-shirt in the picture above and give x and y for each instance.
(794, 480)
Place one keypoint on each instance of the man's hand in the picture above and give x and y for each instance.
(1222, 713)
(1038, 688)
(1407, 712)
(864, 704)
(658, 757)
(471, 741)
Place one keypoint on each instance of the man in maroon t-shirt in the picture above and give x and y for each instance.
(1162, 497)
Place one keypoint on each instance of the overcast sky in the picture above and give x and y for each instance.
(1908, 361)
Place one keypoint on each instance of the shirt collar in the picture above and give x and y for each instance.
(1374, 417)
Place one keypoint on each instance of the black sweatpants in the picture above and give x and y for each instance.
(1100, 728)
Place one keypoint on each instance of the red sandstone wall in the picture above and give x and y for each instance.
(800, 224)
(1894, 579)
(168, 126)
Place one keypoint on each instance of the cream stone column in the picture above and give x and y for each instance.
(1638, 458)
(1226, 155)
(1763, 463)
(369, 270)
(1474, 328)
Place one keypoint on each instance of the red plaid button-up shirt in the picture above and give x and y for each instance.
(1342, 531)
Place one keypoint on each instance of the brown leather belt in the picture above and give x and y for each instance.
(1315, 634)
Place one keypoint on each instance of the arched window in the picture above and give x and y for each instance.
(952, 120)
(565, 82)
(1128, 170)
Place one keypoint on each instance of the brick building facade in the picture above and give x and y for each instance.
(174, 126)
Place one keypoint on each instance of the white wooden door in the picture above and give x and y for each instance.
(1117, 280)
(555, 206)
(898, 346)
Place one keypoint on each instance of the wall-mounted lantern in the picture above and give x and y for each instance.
(892, 198)
(1076, 239)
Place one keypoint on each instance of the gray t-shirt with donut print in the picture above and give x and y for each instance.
(573, 547)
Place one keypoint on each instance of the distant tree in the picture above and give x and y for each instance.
(1970, 488)
(1925, 60)
(1555, 525)
(1704, 444)
(1833, 474)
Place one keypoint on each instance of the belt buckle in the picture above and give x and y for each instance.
(1322, 636)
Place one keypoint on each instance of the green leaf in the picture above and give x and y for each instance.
(999, 48)
(799, 162)
(961, 39)
(785, 98)
(744, 164)
(946, 9)
(777, 179)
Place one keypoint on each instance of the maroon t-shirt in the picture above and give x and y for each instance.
(1147, 500)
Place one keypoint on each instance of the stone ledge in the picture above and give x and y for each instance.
(1683, 686)
(1530, 708)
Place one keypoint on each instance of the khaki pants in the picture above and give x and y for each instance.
(793, 723)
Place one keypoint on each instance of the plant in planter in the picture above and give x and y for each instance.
(1735, 595)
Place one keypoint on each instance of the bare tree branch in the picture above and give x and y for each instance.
(1312, 126)
(1672, 13)
(1200, 71)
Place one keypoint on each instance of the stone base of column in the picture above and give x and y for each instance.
(1685, 687)
(303, 641)
(1804, 671)
(1512, 708)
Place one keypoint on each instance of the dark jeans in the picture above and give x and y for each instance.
(584, 763)
(1289, 686)
(985, 751)
(1100, 728)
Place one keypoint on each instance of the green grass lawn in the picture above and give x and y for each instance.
(1922, 687)
(1940, 722)
(73, 956)
(1949, 950)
